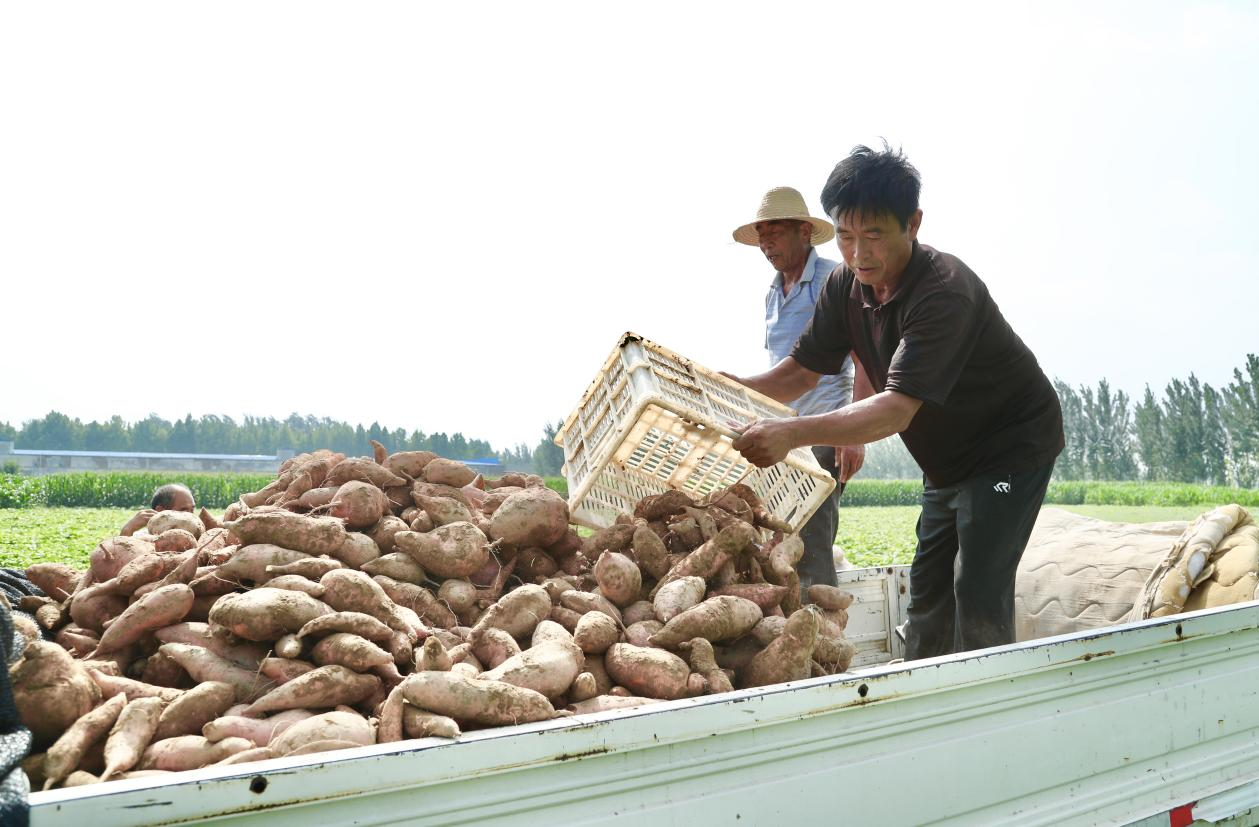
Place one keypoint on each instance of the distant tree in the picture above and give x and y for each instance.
(1072, 462)
(1239, 411)
(1147, 421)
(7, 432)
(1214, 438)
(548, 458)
(1183, 427)
(113, 435)
(1107, 429)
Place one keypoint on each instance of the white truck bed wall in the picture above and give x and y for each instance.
(1104, 728)
(882, 596)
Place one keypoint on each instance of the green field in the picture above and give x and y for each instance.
(870, 536)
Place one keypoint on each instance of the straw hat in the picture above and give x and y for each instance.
(781, 204)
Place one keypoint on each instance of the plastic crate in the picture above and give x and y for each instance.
(653, 420)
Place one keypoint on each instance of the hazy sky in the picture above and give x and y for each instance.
(442, 216)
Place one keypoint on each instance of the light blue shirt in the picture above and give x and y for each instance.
(787, 316)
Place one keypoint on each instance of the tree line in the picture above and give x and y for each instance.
(213, 434)
(1192, 432)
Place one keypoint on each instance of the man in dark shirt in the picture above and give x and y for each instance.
(947, 373)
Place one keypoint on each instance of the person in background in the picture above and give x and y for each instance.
(788, 237)
(950, 376)
(170, 497)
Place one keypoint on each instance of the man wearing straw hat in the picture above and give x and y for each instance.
(787, 235)
(950, 376)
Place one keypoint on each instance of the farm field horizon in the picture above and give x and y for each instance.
(869, 535)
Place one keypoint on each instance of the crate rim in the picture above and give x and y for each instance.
(630, 336)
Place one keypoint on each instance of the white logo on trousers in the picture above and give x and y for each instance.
(1002, 488)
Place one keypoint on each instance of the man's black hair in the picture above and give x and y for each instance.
(164, 497)
(870, 182)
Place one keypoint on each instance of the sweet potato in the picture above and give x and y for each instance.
(432, 657)
(533, 517)
(321, 688)
(617, 537)
(396, 566)
(336, 725)
(833, 653)
(350, 651)
(81, 778)
(550, 630)
(283, 670)
(595, 632)
(831, 598)
(242, 653)
(443, 510)
(111, 685)
(457, 549)
(157, 609)
(312, 568)
(704, 662)
(548, 668)
(618, 577)
(716, 619)
(130, 735)
(363, 470)
(111, 555)
(189, 752)
(248, 566)
(490, 703)
(313, 535)
(187, 714)
(267, 614)
(57, 580)
(764, 595)
(534, 564)
(788, 656)
(653, 673)
(608, 703)
(204, 665)
(258, 731)
(316, 497)
(163, 521)
(382, 533)
(493, 646)
(442, 471)
(409, 463)
(584, 602)
(706, 560)
(288, 647)
(247, 757)
(419, 600)
(417, 723)
(650, 552)
(355, 591)
(75, 640)
(64, 755)
(516, 613)
(768, 629)
(357, 550)
(51, 691)
(640, 633)
(174, 540)
(660, 506)
(677, 596)
(784, 556)
(295, 583)
(568, 618)
(359, 504)
(639, 610)
(355, 623)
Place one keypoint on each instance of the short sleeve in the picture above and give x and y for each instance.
(826, 340)
(937, 339)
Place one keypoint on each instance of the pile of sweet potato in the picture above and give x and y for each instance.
(356, 601)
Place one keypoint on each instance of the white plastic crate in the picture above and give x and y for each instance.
(653, 420)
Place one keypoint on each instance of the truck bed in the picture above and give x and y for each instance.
(1109, 727)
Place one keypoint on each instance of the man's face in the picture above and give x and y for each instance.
(182, 501)
(784, 243)
(875, 247)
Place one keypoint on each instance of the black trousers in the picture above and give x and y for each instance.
(818, 563)
(970, 539)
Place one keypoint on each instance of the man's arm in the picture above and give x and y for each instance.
(850, 458)
(139, 521)
(767, 441)
(785, 381)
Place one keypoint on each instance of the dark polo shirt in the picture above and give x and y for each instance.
(986, 404)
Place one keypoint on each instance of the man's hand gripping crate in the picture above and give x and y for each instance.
(653, 420)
